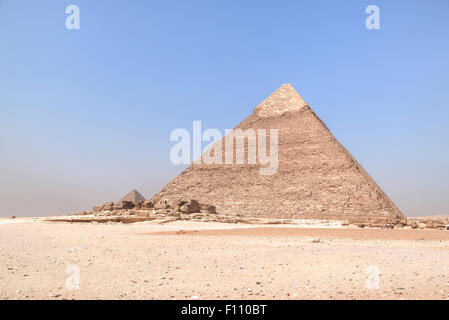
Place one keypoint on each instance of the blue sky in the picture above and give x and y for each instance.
(86, 115)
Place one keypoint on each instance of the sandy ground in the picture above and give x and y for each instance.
(47, 260)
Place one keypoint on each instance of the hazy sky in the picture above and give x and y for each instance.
(85, 115)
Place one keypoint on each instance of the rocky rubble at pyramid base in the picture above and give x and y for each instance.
(128, 212)
(429, 222)
(162, 207)
(194, 211)
(150, 209)
(166, 211)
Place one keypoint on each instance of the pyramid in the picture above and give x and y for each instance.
(134, 196)
(317, 178)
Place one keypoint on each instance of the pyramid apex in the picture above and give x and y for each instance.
(283, 100)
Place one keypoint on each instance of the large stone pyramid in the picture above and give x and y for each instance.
(316, 178)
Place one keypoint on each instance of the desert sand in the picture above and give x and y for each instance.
(199, 260)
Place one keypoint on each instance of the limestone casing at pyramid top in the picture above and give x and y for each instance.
(283, 100)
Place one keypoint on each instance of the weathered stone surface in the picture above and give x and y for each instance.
(162, 211)
(127, 205)
(185, 209)
(104, 213)
(142, 213)
(174, 213)
(148, 204)
(138, 205)
(192, 206)
(128, 213)
(435, 225)
(208, 208)
(195, 205)
(316, 178)
(108, 206)
(377, 225)
(162, 204)
(118, 206)
(177, 205)
(97, 208)
(414, 224)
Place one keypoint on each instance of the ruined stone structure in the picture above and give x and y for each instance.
(134, 204)
(316, 177)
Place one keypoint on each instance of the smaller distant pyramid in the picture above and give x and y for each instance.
(134, 196)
